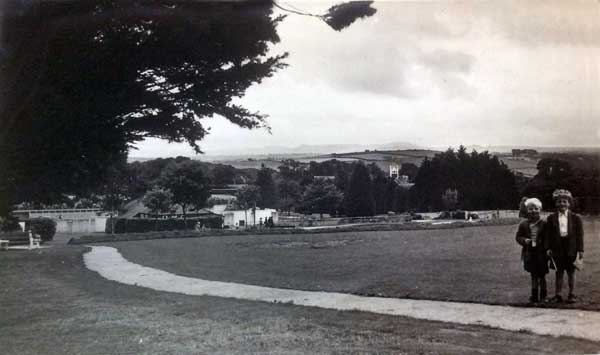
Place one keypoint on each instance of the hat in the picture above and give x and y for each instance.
(560, 193)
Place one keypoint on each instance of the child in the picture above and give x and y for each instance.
(563, 241)
(529, 235)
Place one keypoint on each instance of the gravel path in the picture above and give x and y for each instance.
(110, 264)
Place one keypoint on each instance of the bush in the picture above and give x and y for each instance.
(124, 225)
(9, 224)
(459, 215)
(45, 227)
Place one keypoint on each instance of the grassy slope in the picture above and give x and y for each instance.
(51, 304)
(477, 264)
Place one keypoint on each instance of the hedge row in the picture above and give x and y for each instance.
(135, 225)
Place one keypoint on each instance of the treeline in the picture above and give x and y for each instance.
(451, 180)
(475, 181)
(579, 173)
(340, 188)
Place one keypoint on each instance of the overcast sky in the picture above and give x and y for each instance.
(429, 73)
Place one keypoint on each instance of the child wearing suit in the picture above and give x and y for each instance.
(563, 240)
(530, 235)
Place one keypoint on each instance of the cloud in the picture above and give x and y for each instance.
(448, 61)
(539, 23)
(433, 73)
(380, 55)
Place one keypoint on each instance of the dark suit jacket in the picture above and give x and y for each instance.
(524, 232)
(552, 238)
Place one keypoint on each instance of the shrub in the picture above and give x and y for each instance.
(45, 227)
(124, 225)
(459, 215)
(9, 223)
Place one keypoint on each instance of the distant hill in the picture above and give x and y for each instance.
(314, 149)
(509, 148)
(383, 158)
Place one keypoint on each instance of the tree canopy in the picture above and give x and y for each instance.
(578, 173)
(322, 196)
(267, 188)
(83, 80)
(158, 200)
(359, 199)
(187, 183)
(482, 181)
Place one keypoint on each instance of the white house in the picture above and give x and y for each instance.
(70, 220)
(250, 217)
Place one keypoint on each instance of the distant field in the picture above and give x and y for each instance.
(527, 166)
(251, 164)
(383, 159)
(476, 264)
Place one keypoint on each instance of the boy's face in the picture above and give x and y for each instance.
(562, 204)
(533, 212)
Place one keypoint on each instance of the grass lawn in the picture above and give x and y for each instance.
(51, 304)
(476, 264)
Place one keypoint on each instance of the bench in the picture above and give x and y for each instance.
(34, 240)
(20, 238)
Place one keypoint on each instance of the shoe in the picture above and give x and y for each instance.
(543, 294)
(572, 298)
(556, 299)
(534, 296)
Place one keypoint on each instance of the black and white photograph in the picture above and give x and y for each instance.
(299, 177)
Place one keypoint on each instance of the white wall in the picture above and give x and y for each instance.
(232, 218)
(91, 225)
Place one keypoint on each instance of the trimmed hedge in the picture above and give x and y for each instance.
(45, 227)
(135, 225)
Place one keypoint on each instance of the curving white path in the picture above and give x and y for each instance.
(110, 264)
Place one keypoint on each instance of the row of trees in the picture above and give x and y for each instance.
(578, 173)
(332, 187)
(450, 180)
(479, 180)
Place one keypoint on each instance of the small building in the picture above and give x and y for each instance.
(248, 218)
(69, 220)
(394, 171)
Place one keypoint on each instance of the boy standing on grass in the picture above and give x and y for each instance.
(529, 235)
(563, 240)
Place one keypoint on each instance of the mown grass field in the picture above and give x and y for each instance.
(475, 264)
(52, 304)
